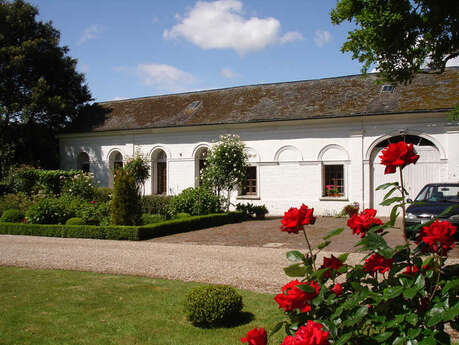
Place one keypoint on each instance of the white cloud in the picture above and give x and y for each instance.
(322, 37)
(165, 77)
(291, 36)
(91, 32)
(229, 73)
(221, 25)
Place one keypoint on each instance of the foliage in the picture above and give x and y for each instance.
(40, 88)
(397, 295)
(30, 180)
(19, 201)
(75, 221)
(400, 36)
(48, 210)
(102, 194)
(126, 208)
(12, 216)
(79, 185)
(196, 201)
(226, 166)
(151, 218)
(139, 167)
(349, 210)
(212, 305)
(251, 211)
(157, 204)
(182, 215)
(6, 159)
(132, 233)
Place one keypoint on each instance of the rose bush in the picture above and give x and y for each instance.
(401, 295)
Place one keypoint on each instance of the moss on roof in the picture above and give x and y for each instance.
(338, 97)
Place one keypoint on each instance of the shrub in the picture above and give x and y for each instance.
(18, 201)
(126, 208)
(12, 216)
(196, 201)
(252, 211)
(157, 204)
(260, 211)
(349, 210)
(212, 305)
(102, 194)
(75, 221)
(151, 218)
(79, 185)
(182, 215)
(49, 210)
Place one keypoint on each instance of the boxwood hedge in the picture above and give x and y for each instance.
(131, 233)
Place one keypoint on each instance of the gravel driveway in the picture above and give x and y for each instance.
(250, 255)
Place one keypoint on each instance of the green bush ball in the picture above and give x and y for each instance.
(75, 221)
(212, 305)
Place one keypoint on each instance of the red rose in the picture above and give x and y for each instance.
(398, 155)
(337, 289)
(309, 334)
(294, 219)
(331, 263)
(293, 298)
(438, 237)
(256, 337)
(377, 263)
(92, 202)
(411, 270)
(360, 224)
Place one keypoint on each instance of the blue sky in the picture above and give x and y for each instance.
(142, 48)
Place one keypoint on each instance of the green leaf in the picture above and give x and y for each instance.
(392, 292)
(276, 328)
(394, 214)
(386, 185)
(333, 233)
(434, 316)
(391, 201)
(413, 332)
(373, 241)
(420, 282)
(389, 193)
(306, 288)
(343, 257)
(319, 274)
(427, 261)
(383, 336)
(295, 270)
(412, 318)
(399, 340)
(451, 284)
(295, 255)
(323, 245)
(410, 292)
(428, 341)
(357, 316)
(344, 339)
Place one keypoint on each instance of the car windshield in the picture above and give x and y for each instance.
(436, 193)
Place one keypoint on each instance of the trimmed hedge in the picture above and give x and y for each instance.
(131, 233)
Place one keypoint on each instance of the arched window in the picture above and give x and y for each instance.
(115, 162)
(334, 183)
(159, 176)
(200, 161)
(83, 162)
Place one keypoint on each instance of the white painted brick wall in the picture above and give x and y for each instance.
(296, 177)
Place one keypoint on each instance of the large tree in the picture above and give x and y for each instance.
(401, 37)
(39, 85)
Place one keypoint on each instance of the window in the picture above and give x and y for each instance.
(333, 180)
(250, 187)
(200, 164)
(159, 176)
(83, 162)
(118, 161)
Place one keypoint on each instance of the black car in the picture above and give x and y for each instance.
(432, 201)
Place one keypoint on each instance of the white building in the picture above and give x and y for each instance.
(301, 136)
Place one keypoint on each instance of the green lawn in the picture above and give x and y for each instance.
(67, 307)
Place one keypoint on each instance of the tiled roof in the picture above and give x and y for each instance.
(330, 97)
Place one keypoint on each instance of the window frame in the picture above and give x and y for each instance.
(323, 183)
(256, 195)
